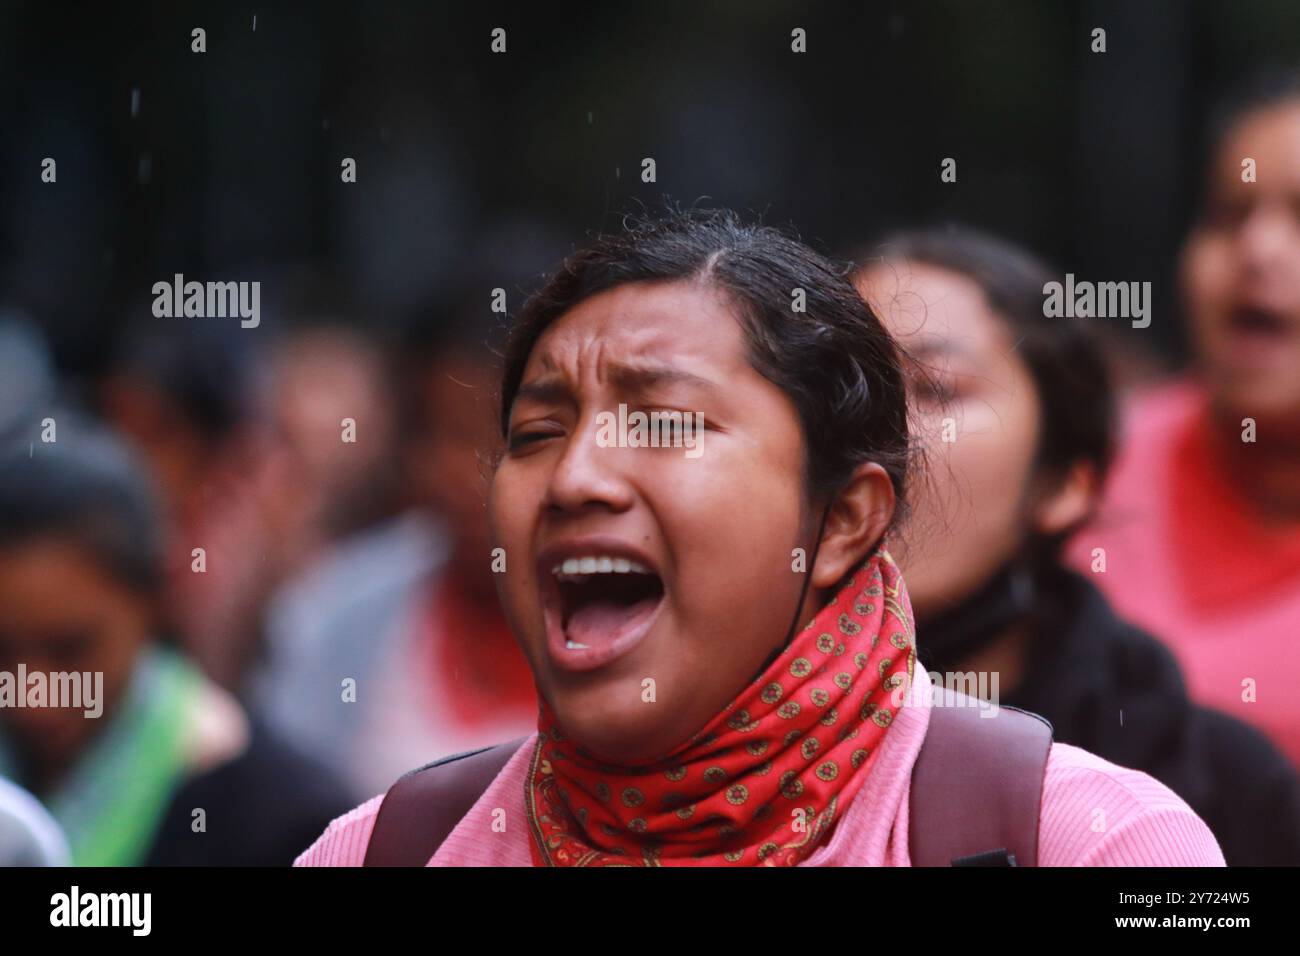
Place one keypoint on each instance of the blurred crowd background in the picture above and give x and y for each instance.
(332, 568)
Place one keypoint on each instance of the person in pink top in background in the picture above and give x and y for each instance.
(722, 647)
(1198, 536)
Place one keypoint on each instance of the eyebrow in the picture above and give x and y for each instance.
(633, 377)
(628, 377)
(550, 390)
(938, 348)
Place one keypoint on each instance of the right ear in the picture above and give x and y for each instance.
(858, 517)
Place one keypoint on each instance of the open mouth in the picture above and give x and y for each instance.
(1258, 338)
(599, 607)
(1258, 322)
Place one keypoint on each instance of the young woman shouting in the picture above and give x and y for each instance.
(723, 650)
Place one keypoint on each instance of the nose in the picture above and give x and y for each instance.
(588, 476)
(1268, 237)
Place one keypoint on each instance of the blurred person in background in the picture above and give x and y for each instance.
(406, 613)
(1200, 525)
(172, 771)
(1027, 408)
(329, 411)
(263, 460)
(182, 394)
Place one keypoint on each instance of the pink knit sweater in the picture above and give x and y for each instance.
(1094, 813)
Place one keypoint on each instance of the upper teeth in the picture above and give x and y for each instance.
(599, 565)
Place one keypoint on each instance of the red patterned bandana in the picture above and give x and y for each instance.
(764, 782)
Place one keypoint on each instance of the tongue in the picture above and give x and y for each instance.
(598, 621)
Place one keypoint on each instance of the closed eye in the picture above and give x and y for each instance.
(523, 439)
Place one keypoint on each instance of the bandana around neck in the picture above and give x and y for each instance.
(765, 780)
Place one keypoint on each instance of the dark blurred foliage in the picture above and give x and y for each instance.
(475, 164)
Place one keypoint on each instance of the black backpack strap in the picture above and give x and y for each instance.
(977, 786)
(424, 806)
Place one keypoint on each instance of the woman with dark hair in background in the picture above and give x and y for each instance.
(1200, 524)
(723, 649)
(1017, 411)
(165, 768)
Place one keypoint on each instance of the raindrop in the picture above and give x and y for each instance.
(135, 101)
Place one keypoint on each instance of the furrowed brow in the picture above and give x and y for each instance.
(545, 391)
(642, 377)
